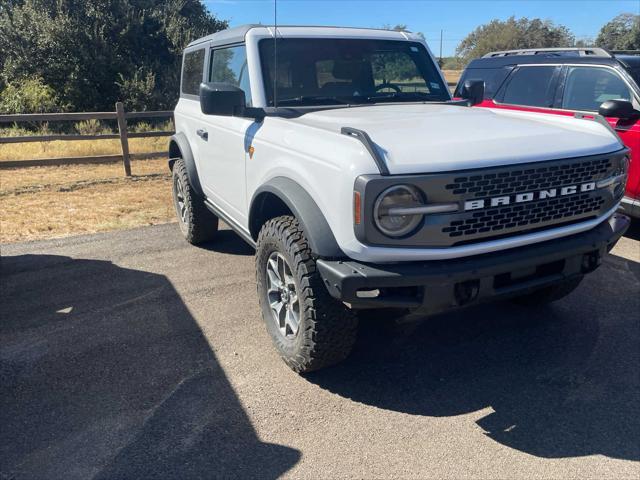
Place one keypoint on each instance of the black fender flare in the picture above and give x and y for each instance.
(315, 226)
(179, 141)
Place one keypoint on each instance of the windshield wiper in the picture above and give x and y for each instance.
(402, 95)
(312, 98)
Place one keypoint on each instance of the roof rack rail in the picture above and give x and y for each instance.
(583, 52)
(625, 52)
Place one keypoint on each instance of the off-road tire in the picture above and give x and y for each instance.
(199, 224)
(549, 294)
(327, 329)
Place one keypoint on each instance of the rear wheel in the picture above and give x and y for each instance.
(196, 222)
(549, 294)
(309, 328)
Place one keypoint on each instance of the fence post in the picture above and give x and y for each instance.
(124, 139)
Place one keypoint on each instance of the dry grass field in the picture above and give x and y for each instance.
(57, 149)
(56, 201)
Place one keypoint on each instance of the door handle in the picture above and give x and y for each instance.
(202, 133)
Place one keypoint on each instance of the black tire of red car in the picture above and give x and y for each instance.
(315, 330)
(196, 222)
(549, 294)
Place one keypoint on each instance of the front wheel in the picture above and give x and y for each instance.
(309, 328)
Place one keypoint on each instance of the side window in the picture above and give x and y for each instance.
(229, 65)
(493, 79)
(587, 87)
(531, 86)
(192, 68)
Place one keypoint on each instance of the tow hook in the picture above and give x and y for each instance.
(466, 292)
(590, 261)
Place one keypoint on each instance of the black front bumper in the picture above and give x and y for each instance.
(440, 285)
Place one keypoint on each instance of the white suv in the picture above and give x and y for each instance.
(340, 156)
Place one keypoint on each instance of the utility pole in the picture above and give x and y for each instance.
(440, 48)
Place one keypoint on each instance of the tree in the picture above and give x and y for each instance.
(452, 63)
(621, 33)
(93, 53)
(401, 27)
(391, 66)
(584, 42)
(514, 33)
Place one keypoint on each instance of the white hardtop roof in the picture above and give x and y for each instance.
(238, 34)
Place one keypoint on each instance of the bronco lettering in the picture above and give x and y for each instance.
(528, 196)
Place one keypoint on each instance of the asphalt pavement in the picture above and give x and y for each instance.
(135, 355)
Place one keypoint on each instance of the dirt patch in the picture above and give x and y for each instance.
(48, 202)
(14, 179)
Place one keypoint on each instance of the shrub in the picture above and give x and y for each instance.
(142, 127)
(91, 127)
(138, 90)
(28, 96)
(15, 131)
(152, 127)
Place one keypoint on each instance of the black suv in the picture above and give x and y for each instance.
(542, 87)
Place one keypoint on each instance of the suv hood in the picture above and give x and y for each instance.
(431, 138)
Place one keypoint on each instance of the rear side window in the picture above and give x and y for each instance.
(229, 65)
(531, 86)
(586, 88)
(192, 68)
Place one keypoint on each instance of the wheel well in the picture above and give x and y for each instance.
(174, 153)
(265, 207)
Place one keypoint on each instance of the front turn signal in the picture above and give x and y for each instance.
(357, 208)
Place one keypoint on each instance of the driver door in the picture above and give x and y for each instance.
(222, 139)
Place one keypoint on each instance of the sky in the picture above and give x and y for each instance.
(455, 17)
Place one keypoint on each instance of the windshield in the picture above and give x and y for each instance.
(349, 71)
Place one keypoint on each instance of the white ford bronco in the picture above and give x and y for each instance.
(340, 156)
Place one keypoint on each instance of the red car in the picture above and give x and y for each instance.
(569, 81)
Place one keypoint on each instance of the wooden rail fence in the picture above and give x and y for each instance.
(123, 134)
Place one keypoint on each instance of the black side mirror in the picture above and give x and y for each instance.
(221, 99)
(473, 91)
(226, 100)
(622, 109)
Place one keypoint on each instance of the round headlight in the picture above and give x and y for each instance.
(624, 164)
(398, 196)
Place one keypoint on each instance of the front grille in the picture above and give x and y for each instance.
(525, 215)
(488, 220)
(526, 180)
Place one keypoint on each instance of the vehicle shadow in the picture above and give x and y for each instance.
(106, 374)
(634, 230)
(229, 242)
(556, 381)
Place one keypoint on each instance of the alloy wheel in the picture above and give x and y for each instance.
(181, 205)
(282, 296)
